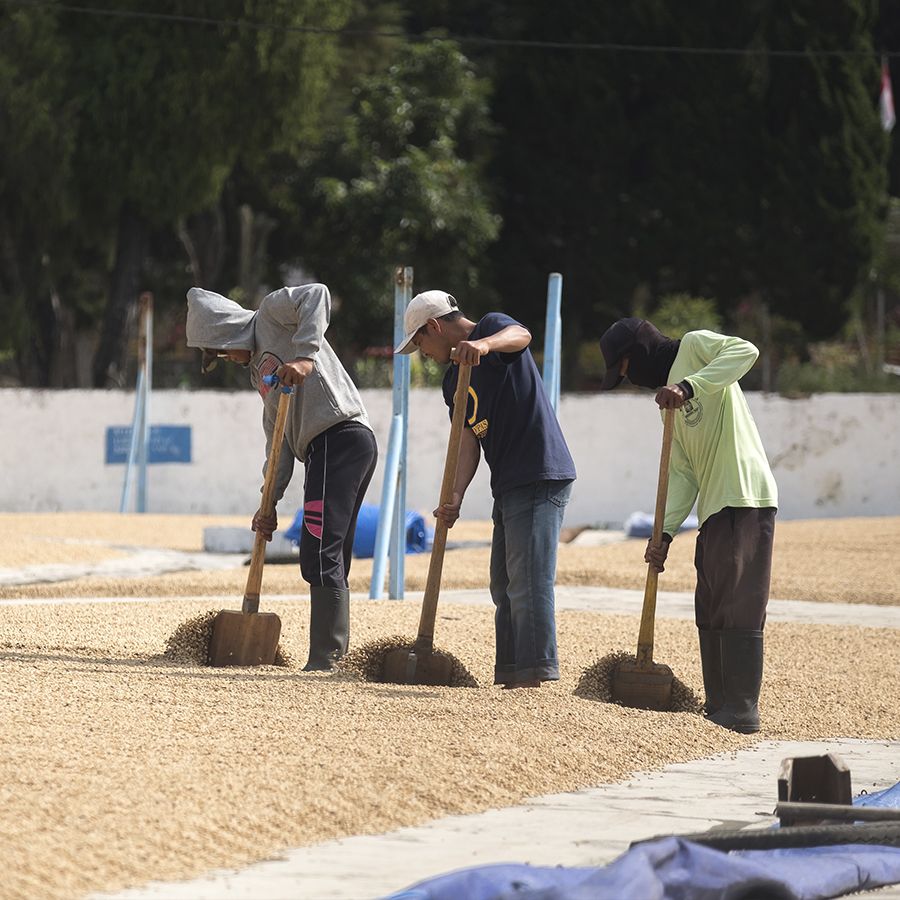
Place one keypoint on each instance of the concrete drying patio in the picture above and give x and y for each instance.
(584, 828)
(121, 767)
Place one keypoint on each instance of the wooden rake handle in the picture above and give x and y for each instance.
(266, 506)
(425, 639)
(648, 612)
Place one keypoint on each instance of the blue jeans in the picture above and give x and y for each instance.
(527, 522)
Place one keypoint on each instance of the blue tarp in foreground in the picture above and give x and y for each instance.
(674, 869)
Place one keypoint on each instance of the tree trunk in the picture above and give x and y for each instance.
(45, 338)
(203, 239)
(62, 369)
(131, 246)
(36, 316)
(12, 293)
(253, 253)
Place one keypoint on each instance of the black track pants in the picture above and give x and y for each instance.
(339, 467)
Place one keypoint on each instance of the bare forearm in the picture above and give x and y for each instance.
(509, 339)
(469, 456)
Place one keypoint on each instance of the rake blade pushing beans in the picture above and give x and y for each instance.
(244, 639)
(643, 687)
(413, 666)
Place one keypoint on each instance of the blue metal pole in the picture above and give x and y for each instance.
(146, 352)
(553, 339)
(402, 295)
(558, 379)
(136, 420)
(386, 511)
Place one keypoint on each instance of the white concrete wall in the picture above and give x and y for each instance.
(833, 454)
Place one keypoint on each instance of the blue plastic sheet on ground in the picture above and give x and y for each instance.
(418, 535)
(674, 869)
(640, 524)
(889, 798)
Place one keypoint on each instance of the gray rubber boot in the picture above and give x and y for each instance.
(742, 668)
(711, 663)
(329, 627)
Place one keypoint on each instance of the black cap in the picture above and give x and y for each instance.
(617, 341)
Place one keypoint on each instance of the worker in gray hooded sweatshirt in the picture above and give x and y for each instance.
(718, 461)
(327, 430)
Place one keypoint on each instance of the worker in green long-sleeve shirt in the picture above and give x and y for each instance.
(718, 461)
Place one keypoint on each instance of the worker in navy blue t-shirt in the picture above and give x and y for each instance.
(510, 420)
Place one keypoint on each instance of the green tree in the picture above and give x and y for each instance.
(621, 170)
(822, 163)
(36, 145)
(887, 37)
(722, 175)
(677, 314)
(167, 110)
(398, 181)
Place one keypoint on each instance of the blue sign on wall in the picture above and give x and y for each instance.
(168, 444)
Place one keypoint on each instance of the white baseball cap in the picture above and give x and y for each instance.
(422, 307)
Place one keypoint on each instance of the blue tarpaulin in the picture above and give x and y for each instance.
(888, 798)
(674, 869)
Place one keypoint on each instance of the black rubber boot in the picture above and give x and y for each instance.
(742, 668)
(711, 663)
(329, 627)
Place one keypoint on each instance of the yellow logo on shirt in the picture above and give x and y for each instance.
(479, 428)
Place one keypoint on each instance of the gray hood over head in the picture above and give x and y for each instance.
(289, 324)
(218, 323)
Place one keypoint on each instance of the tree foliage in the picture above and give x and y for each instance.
(822, 175)
(147, 153)
(677, 314)
(37, 141)
(399, 181)
(721, 175)
(162, 113)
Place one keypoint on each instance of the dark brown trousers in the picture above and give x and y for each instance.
(734, 567)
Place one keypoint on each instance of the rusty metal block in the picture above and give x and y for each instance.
(813, 779)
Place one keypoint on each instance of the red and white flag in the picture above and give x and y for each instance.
(886, 98)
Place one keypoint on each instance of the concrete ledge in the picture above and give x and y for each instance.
(221, 539)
